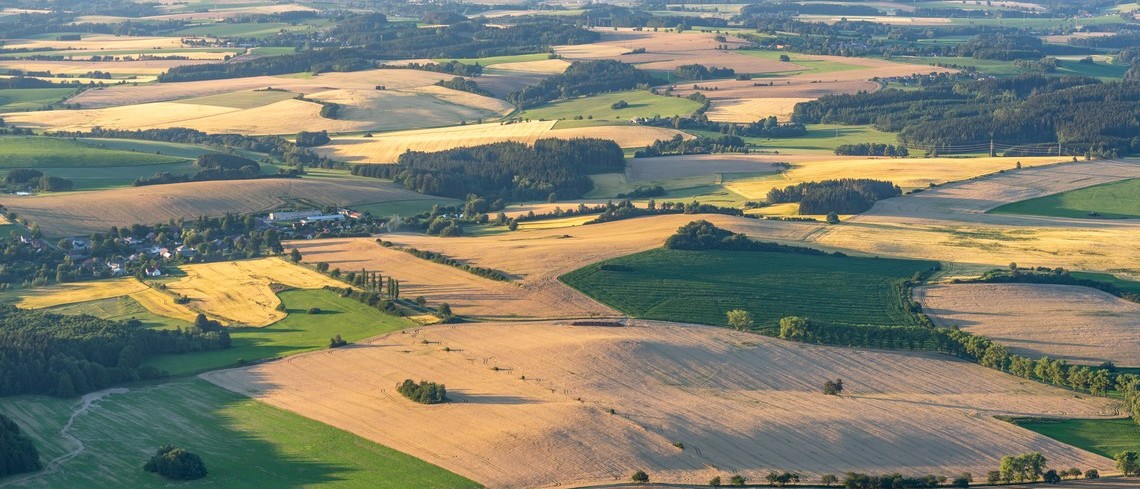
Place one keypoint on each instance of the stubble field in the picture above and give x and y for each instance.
(543, 391)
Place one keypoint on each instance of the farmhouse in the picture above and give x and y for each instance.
(292, 215)
(323, 218)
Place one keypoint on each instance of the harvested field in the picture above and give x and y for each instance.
(908, 173)
(117, 68)
(950, 224)
(363, 110)
(753, 109)
(668, 50)
(164, 92)
(671, 167)
(239, 292)
(387, 148)
(546, 66)
(1078, 324)
(70, 293)
(83, 213)
(97, 42)
(725, 395)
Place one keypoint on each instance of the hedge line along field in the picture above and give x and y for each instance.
(700, 286)
(1110, 201)
(1106, 437)
(736, 402)
(298, 332)
(244, 443)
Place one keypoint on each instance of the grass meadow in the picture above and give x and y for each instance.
(298, 332)
(700, 286)
(244, 443)
(641, 104)
(1105, 437)
(1111, 200)
(16, 99)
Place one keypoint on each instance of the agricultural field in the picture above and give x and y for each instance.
(244, 443)
(1077, 324)
(949, 223)
(770, 285)
(387, 147)
(1109, 201)
(127, 307)
(516, 385)
(84, 213)
(241, 292)
(1105, 437)
(641, 103)
(15, 99)
(51, 153)
(297, 332)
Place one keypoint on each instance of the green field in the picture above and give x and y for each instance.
(700, 286)
(244, 443)
(17, 99)
(642, 103)
(1129, 286)
(117, 309)
(814, 66)
(821, 138)
(253, 29)
(1105, 437)
(298, 332)
(493, 60)
(1111, 200)
(44, 152)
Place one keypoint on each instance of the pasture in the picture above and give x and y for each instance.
(724, 395)
(45, 152)
(641, 103)
(104, 439)
(298, 332)
(241, 292)
(1078, 324)
(1110, 201)
(1105, 437)
(700, 286)
(122, 308)
(16, 99)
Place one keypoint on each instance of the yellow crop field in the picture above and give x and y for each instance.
(70, 293)
(163, 304)
(239, 292)
(386, 148)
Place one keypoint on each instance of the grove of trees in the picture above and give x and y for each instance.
(844, 196)
(424, 392)
(176, 463)
(17, 452)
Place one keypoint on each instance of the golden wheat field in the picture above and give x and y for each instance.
(1077, 324)
(84, 213)
(239, 292)
(526, 394)
(70, 293)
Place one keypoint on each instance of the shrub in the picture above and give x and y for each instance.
(1092, 474)
(833, 388)
(175, 463)
(714, 482)
(337, 341)
(737, 480)
(640, 476)
(424, 393)
(314, 310)
(740, 320)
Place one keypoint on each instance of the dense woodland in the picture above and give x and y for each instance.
(583, 78)
(58, 355)
(844, 196)
(552, 168)
(1075, 116)
(17, 452)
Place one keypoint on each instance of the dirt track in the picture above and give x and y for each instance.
(532, 404)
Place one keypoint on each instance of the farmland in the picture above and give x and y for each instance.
(240, 292)
(1106, 437)
(32, 98)
(245, 443)
(1110, 200)
(298, 332)
(641, 103)
(720, 393)
(83, 213)
(1077, 324)
(41, 153)
(770, 285)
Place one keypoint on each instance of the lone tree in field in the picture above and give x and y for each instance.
(295, 255)
(640, 476)
(175, 463)
(828, 479)
(738, 480)
(337, 341)
(739, 320)
(714, 482)
(833, 388)
(1128, 463)
(1027, 467)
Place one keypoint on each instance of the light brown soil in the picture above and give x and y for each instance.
(84, 213)
(526, 395)
(1077, 324)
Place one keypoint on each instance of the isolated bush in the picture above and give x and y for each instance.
(640, 476)
(175, 463)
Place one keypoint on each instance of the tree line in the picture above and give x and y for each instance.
(552, 168)
(872, 149)
(1082, 116)
(1043, 275)
(60, 355)
(844, 196)
(768, 127)
(678, 145)
(463, 85)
